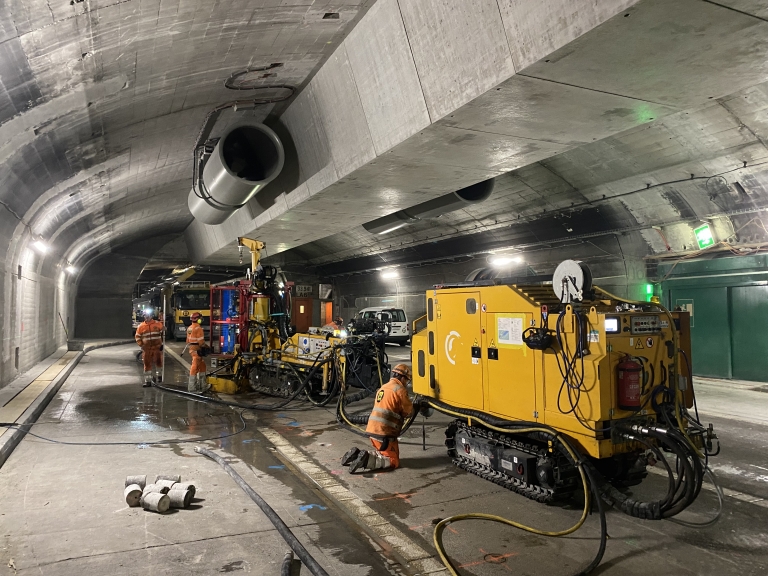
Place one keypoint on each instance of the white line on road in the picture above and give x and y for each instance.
(756, 500)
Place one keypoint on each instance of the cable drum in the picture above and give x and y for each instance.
(243, 162)
(571, 280)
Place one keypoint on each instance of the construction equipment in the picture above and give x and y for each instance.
(601, 372)
(255, 348)
(186, 299)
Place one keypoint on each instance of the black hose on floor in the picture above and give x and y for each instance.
(305, 557)
(288, 565)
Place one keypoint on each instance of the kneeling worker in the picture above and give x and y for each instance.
(390, 411)
(196, 341)
(149, 336)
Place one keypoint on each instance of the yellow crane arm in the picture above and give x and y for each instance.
(255, 247)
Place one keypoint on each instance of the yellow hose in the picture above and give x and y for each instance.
(437, 535)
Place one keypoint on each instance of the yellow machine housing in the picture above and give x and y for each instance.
(471, 355)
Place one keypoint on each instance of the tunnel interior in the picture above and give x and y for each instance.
(431, 161)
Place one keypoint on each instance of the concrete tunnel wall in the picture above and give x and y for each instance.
(36, 294)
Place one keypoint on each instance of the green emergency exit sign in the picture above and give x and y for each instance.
(704, 236)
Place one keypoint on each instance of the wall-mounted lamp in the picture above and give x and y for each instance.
(40, 246)
(390, 274)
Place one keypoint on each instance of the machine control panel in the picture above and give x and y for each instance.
(644, 324)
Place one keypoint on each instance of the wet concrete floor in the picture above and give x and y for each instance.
(62, 509)
(428, 487)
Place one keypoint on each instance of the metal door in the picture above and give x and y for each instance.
(710, 329)
(458, 348)
(302, 313)
(749, 345)
(510, 366)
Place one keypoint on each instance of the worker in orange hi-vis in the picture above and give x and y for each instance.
(149, 335)
(390, 411)
(196, 342)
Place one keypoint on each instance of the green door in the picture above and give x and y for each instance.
(749, 319)
(710, 329)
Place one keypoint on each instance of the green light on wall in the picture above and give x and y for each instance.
(648, 292)
(704, 236)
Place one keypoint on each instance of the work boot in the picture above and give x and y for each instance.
(192, 384)
(359, 462)
(202, 383)
(350, 455)
(147, 379)
(367, 461)
(158, 375)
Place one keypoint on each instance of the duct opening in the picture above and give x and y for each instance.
(476, 192)
(434, 208)
(240, 165)
(250, 154)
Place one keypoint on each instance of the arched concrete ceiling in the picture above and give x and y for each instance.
(583, 111)
(599, 189)
(101, 102)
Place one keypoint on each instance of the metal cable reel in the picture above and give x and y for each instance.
(571, 280)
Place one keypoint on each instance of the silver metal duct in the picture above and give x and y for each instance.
(245, 160)
(473, 194)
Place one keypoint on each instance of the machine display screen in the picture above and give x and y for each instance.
(611, 325)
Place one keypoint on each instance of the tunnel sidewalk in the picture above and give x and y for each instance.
(733, 399)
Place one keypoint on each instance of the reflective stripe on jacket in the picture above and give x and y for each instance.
(195, 336)
(149, 333)
(390, 410)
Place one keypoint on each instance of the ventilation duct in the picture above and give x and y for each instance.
(473, 194)
(244, 160)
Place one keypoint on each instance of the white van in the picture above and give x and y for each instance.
(400, 331)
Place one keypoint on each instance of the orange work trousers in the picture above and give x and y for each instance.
(152, 356)
(198, 364)
(392, 452)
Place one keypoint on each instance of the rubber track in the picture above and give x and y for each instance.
(532, 491)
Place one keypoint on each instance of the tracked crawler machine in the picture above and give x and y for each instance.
(610, 376)
(254, 348)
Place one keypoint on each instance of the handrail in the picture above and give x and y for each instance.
(414, 330)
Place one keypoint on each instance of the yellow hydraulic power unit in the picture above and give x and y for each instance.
(606, 373)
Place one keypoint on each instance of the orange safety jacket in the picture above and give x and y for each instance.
(390, 410)
(150, 333)
(195, 337)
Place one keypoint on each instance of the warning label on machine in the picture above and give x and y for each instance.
(509, 330)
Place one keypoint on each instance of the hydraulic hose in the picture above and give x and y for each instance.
(268, 408)
(285, 569)
(281, 527)
(587, 475)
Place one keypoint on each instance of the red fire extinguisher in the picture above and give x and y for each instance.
(630, 386)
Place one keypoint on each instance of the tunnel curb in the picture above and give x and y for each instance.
(9, 441)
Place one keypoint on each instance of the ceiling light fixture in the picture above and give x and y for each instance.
(70, 269)
(390, 274)
(504, 260)
(40, 246)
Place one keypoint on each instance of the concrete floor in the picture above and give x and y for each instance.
(62, 511)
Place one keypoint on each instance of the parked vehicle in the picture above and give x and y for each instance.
(399, 330)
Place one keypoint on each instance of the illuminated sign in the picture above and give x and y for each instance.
(704, 236)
